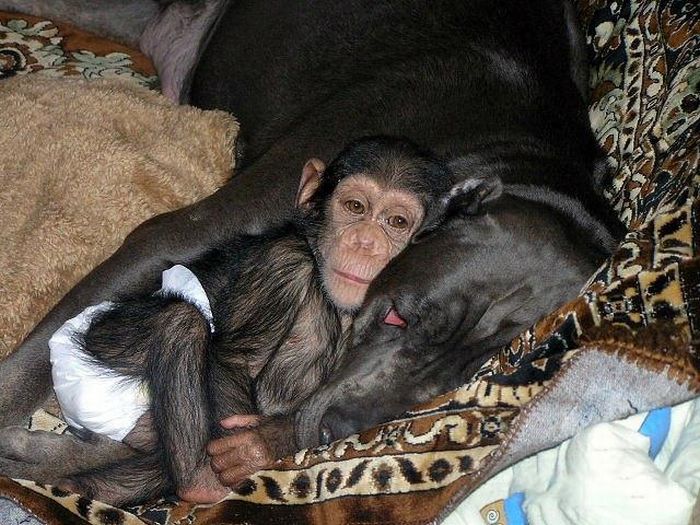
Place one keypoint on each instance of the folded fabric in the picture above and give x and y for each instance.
(641, 470)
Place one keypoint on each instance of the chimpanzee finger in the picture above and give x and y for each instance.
(240, 421)
(223, 445)
(228, 460)
(233, 477)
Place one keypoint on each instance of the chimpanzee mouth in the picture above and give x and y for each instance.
(351, 277)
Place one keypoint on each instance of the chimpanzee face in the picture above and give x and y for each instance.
(367, 224)
(376, 195)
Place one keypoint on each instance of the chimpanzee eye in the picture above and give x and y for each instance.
(397, 221)
(355, 206)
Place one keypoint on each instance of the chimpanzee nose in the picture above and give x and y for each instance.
(367, 238)
(361, 238)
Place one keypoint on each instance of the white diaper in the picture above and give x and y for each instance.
(96, 398)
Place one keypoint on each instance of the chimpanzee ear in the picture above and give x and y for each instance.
(468, 196)
(310, 181)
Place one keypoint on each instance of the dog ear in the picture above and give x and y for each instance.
(477, 185)
(467, 197)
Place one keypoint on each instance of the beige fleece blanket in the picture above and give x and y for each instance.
(81, 164)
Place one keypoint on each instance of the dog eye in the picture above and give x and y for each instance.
(355, 206)
(397, 221)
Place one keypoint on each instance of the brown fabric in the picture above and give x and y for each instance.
(644, 101)
(53, 507)
(83, 163)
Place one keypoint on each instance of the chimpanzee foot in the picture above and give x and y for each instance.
(118, 493)
(90, 488)
(205, 488)
(70, 485)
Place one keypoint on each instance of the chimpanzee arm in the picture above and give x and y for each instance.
(295, 371)
(268, 307)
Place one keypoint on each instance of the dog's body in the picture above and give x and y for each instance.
(495, 87)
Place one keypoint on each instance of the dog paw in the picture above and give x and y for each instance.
(19, 444)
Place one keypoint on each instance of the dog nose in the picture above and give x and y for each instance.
(330, 427)
(325, 434)
(336, 424)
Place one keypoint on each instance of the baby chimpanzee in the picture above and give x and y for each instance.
(281, 305)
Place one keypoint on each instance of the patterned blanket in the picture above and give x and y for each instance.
(627, 343)
(32, 45)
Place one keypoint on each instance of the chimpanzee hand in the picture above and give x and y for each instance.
(256, 444)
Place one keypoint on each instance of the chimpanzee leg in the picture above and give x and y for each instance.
(229, 388)
(123, 483)
(177, 376)
(123, 337)
(168, 339)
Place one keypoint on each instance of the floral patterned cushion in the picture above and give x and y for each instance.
(31, 45)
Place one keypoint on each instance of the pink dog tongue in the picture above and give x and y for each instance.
(394, 319)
